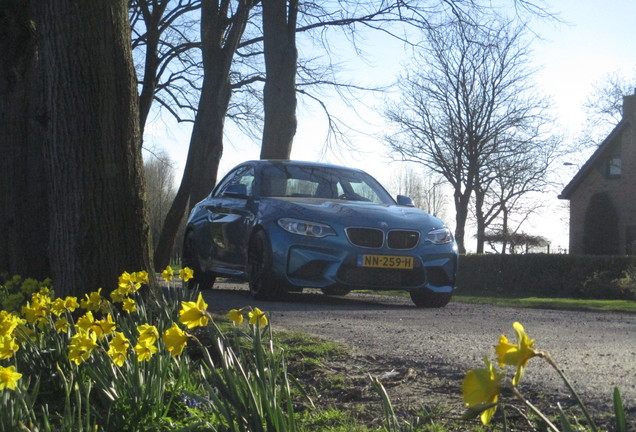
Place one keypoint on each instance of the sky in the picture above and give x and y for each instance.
(594, 39)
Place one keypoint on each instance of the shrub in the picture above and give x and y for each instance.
(546, 275)
(15, 291)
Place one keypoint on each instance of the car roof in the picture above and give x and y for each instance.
(264, 162)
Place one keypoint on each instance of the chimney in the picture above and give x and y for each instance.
(629, 106)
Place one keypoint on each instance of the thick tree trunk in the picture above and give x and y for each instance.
(279, 93)
(201, 169)
(23, 205)
(98, 225)
(220, 37)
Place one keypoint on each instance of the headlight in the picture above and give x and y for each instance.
(306, 228)
(439, 236)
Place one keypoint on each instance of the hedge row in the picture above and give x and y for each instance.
(548, 275)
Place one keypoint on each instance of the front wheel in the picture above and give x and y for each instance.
(428, 299)
(262, 281)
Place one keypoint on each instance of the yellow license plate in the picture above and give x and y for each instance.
(386, 261)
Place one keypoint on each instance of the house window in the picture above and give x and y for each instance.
(613, 169)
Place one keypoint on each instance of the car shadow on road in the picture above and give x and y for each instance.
(226, 296)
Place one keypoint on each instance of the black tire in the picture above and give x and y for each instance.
(335, 291)
(428, 299)
(201, 280)
(263, 284)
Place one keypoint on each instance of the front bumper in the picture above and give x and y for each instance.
(434, 269)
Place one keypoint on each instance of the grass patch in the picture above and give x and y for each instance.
(298, 345)
(332, 420)
(552, 303)
(628, 306)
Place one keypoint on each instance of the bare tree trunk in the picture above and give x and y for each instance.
(481, 220)
(206, 144)
(504, 230)
(462, 201)
(151, 65)
(201, 169)
(98, 225)
(279, 93)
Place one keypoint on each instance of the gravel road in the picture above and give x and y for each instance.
(597, 351)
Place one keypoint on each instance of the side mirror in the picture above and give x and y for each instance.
(405, 201)
(236, 191)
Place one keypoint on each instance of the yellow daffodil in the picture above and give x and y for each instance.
(118, 295)
(61, 305)
(9, 378)
(481, 388)
(167, 274)
(236, 316)
(85, 322)
(257, 316)
(92, 301)
(186, 274)
(37, 310)
(516, 355)
(125, 280)
(61, 325)
(119, 345)
(57, 307)
(145, 350)
(130, 283)
(141, 277)
(194, 314)
(129, 305)
(8, 347)
(81, 346)
(148, 334)
(104, 327)
(9, 322)
(71, 303)
(175, 340)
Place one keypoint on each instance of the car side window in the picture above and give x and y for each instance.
(244, 175)
(247, 179)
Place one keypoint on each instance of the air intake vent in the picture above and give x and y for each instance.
(400, 239)
(365, 237)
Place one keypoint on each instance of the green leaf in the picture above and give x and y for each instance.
(619, 412)
(565, 423)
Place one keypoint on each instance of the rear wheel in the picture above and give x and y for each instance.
(336, 291)
(428, 299)
(262, 281)
(201, 280)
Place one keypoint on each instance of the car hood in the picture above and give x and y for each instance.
(352, 213)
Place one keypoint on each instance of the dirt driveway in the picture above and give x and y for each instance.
(391, 337)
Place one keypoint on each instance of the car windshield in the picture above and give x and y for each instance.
(284, 180)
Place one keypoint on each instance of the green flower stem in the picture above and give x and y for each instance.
(565, 379)
(534, 409)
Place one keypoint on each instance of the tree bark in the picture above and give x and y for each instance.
(219, 44)
(481, 220)
(23, 205)
(279, 93)
(94, 167)
(462, 201)
(152, 18)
